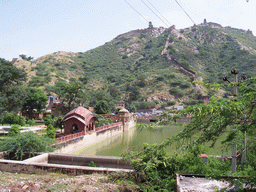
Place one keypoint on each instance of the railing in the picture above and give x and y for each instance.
(68, 137)
(146, 117)
(72, 136)
(107, 126)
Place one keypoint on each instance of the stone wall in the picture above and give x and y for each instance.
(42, 168)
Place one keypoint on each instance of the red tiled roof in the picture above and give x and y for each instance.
(80, 112)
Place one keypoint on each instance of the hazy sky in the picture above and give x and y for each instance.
(39, 27)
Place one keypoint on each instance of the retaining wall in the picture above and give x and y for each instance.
(79, 143)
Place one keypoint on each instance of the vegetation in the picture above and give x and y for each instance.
(29, 143)
(36, 99)
(50, 131)
(11, 118)
(15, 130)
(102, 121)
(12, 93)
(208, 122)
(102, 107)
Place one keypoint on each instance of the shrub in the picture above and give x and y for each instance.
(11, 118)
(185, 85)
(102, 121)
(15, 130)
(50, 131)
(163, 105)
(31, 122)
(176, 92)
(26, 143)
(170, 103)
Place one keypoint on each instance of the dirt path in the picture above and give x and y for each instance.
(15, 182)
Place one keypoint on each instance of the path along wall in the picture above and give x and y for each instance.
(83, 141)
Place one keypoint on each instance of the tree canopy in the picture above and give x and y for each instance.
(36, 99)
(71, 93)
(12, 93)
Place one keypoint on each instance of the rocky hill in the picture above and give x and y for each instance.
(155, 63)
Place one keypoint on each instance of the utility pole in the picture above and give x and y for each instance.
(234, 150)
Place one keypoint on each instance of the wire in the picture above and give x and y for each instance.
(159, 12)
(154, 13)
(185, 12)
(136, 11)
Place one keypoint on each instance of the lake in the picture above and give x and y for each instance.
(134, 139)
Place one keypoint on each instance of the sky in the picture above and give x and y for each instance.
(39, 27)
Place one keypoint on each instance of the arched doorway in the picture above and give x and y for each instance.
(74, 129)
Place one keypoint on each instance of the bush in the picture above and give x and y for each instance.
(170, 103)
(15, 130)
(102, 121)
(29, 143)
(163, 105)
(11, 118)
(176, 92)
(31, 122)
(185, 85)
(50, 131)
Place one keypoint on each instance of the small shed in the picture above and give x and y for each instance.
(79, 119)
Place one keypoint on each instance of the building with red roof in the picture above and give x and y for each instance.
(79, 119)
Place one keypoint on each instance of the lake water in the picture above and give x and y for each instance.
(134, 139)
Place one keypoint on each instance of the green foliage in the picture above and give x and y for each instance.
(171, 103)
(155, 170)
(131, 107)
(50, 131)
(11, 118)
(92, 164)
(54, 121)
(233, 117)
(193, 102)
(36, 99)
(15, 130)
(102, 121)
(102, 107)
(71, 93)
(144, 104)
(31, 122)
(28, 143)
(24, 57)
(12, 93)
(176, 92)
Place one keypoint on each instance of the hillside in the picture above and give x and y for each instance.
(153, 63)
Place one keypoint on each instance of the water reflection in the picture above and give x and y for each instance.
(134, 139)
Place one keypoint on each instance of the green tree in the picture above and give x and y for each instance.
(24, 57)
(36, 99)
(102, 107)
(12, 93)
(29, 143)
(232, 117)
(71, 93)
